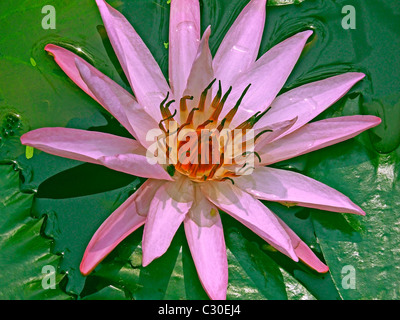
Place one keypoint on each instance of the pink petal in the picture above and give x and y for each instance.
(78, 144)
(251, 212)
(66, 60)
(119, 102)
(184, 37)
(267, 77)
(278, 130)
(135, 164)
(239, 48)
(309, 100)
(202, 210)
(316, 135)
(207, 245)
(201, 73)
(304, 253)
(142, 71)
(168, 209)
(121, 223)
(288, 186)
(95, 147)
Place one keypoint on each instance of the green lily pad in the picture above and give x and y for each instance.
(362, 252)
(252, 274)
(28, 269)
(72, 221)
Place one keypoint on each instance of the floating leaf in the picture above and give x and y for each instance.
(24, 253)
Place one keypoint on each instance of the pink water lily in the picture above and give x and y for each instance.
(193, 195)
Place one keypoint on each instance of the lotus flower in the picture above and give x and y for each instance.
(244, 97)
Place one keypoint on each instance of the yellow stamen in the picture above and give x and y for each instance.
(203, 158)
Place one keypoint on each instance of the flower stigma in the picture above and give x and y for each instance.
(202, 146)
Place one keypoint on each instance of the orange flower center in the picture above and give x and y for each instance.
(203, 147)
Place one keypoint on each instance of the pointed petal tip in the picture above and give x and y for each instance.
(352, 77)
(50, 47)
(349, 79)
(358, 75)
(308, 257)
(360, 212)
(294, 256)
(376, 120)
(244, 34)
(24, 138)
(369, 120)
(302, 36)
(145, 263)
(53, 50)
(206, 34)
(319, 267)
(84, 272)
(323, 270)
(146, 260)
(86, 267)
(290, 252)
(28, 138)
(149, 256)
(306, 33)
(357, 209)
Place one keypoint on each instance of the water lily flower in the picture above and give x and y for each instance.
(243, 96)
